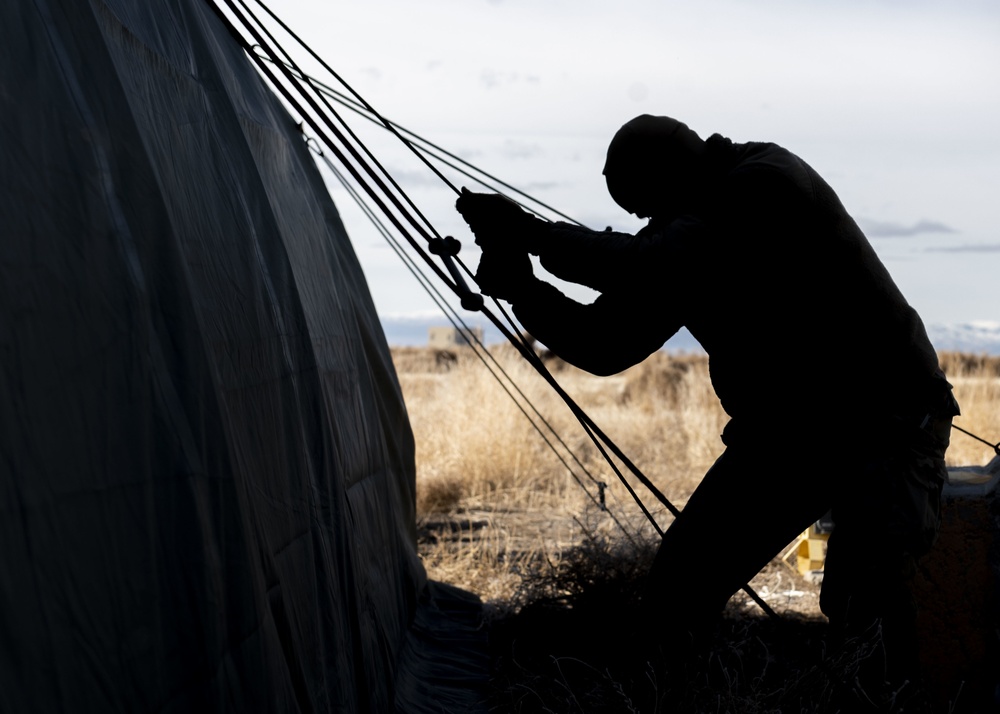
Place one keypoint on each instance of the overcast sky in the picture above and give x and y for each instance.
(896, 104)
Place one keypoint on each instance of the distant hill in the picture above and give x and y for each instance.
(981, 337)
(976, 337)
(412, 330)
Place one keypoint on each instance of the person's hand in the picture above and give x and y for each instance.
(495, 220)
(504, 273)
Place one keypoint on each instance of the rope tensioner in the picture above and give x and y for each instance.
(447, 248)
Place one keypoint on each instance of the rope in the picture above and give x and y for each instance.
(377, 117)
(427, 147)
(592, 429)
(429, 234)
(995, 447)
(293, 80)
(361, 100)
(507, 334)
(479, 350)
(532, 358)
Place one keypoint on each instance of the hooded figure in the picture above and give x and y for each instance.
(751, 250)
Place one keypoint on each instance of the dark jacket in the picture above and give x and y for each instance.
(769, 273)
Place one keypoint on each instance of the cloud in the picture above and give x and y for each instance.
(468, 154)
(407, 177)
(540, 185)
(512, 149)
(638, 91)
(889, 229)
(494, 78)
(980, 248)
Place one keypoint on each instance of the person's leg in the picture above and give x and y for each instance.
(743, 513)
(883, 523)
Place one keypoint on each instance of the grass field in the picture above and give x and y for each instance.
(510, 511)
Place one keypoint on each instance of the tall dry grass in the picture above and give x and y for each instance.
(476, 448)
(478, 456)
(976, 379)
(501, 516)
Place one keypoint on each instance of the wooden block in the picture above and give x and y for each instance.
(958, 593)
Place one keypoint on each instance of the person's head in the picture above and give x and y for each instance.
(654, 166)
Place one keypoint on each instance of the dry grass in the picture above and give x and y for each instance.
(476, 451)
(576, 645)
(977, 387)
(501, 516)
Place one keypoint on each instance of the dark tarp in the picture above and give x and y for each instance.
(206, 468)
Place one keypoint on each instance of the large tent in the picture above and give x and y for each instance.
(206, 468)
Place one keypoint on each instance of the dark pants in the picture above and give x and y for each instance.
(752, 503)
(877, 541)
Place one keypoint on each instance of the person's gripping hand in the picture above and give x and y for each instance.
(496, 220)
(504, 273)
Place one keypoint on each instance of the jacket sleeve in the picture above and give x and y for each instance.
(607, 260)
(617, 330)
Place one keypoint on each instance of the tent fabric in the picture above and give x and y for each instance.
(206, 467)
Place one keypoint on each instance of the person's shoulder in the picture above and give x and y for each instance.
(752, 161)
(766, 168)
(767, 157)
(723, 150)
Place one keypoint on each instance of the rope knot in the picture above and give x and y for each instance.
(444, 246)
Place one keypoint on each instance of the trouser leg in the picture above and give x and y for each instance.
(882, 526)
(746, 509)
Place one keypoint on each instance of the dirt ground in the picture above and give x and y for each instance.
(564, 636)
(521, 533)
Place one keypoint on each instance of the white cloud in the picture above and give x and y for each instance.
(882, 229)
(893, 102)
(514, 149)
(978, 248)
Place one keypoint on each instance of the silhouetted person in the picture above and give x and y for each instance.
(833, 390)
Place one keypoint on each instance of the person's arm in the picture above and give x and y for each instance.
(601, 260)
(608, 260)
(619, 329)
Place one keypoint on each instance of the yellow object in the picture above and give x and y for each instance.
(808, 552)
